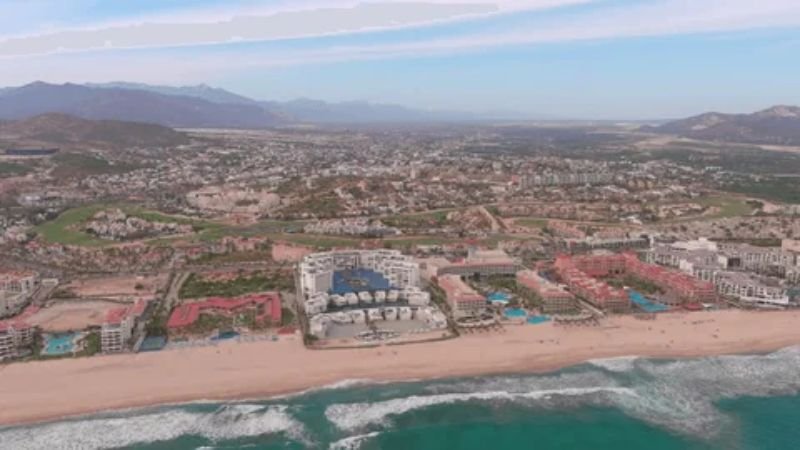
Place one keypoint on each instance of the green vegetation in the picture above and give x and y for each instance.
(729, 206)
(70, 165)
(287, 316)
(91, 344)
(62, 230)
(434, 219)
(10, 169)
(531, 223)
(638, 284)
(783, 189)
(197, 287)
(65, 229)
(157, 325)
(207, 323)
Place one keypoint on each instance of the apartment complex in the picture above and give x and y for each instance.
(118, 326)
(16, 287)
(751, 274)
(555, 299)
(316, 271)
(567, 179)
(14, 335)
(463, 300)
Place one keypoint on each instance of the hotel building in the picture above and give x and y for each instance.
(555, 299)
(463, 300)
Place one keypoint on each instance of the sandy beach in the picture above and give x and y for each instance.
(47, 390)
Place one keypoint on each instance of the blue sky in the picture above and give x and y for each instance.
(609, 59)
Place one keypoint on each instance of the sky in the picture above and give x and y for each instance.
(571, 59)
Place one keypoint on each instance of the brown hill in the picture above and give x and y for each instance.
(779, 125)
(64, 130)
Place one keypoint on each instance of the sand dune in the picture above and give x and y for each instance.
(53, 389)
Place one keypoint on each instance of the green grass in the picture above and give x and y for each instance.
(197, 287)
(531, 223)
(64, 229)
(10, 169)
(729, 206)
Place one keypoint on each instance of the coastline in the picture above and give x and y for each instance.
(51, 390)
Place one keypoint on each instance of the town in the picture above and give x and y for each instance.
(425, 235)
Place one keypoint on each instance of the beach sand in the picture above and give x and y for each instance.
(46, 390)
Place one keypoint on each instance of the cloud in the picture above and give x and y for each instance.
(600, 22)
(253, 23)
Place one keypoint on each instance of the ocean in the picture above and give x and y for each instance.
(727, 402)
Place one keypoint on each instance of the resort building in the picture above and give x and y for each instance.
(555, 299)
(266, 304)
(356, 270)
(118, 326)
(14, 334)
(16, 288)
(580, 273)
(761, 291)
(480, 263)
(462, 298)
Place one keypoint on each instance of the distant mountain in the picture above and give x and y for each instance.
(134, 105)
(317, 111)
(59, 130)
(201, 91)
(779, 125)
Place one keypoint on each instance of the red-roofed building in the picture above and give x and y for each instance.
(118, 326)
(266, 304)
(580, 273)
(461, 297)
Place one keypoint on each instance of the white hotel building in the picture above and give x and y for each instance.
(316, 270)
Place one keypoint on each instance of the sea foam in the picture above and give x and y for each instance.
(227, 422)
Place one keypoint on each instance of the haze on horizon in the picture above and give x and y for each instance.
(584, 59)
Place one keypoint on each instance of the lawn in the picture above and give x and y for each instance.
(531, 223)
(10, 169)
(197, 287)
(729, 206)
(64, 228)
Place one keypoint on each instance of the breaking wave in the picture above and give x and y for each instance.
(352, 442)
(353, 416)
(680, 395)
(227, 422)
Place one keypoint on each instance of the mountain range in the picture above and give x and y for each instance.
(778, 125)
(203, 106)
(61, 130)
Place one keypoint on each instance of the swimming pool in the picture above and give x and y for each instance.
(59, 344)
(498, 297)
(515, 313)
(645, 304)
(535, 320)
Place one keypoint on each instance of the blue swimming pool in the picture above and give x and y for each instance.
(357, 280)
(535, 320)
(515, 313)
(499, 297)
(59, 344)
(648, 305)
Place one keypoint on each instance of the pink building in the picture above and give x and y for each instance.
(555, 299)
(461, 297)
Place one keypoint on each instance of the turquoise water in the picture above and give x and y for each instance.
(647, 305)
(59, 344)
(536, 320)
(731, 402)
(515, 312)
(500, 297)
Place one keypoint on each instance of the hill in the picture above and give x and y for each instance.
(779, 125)
(64, 130)
(130, 105)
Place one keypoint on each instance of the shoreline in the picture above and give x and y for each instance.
(44, 391)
